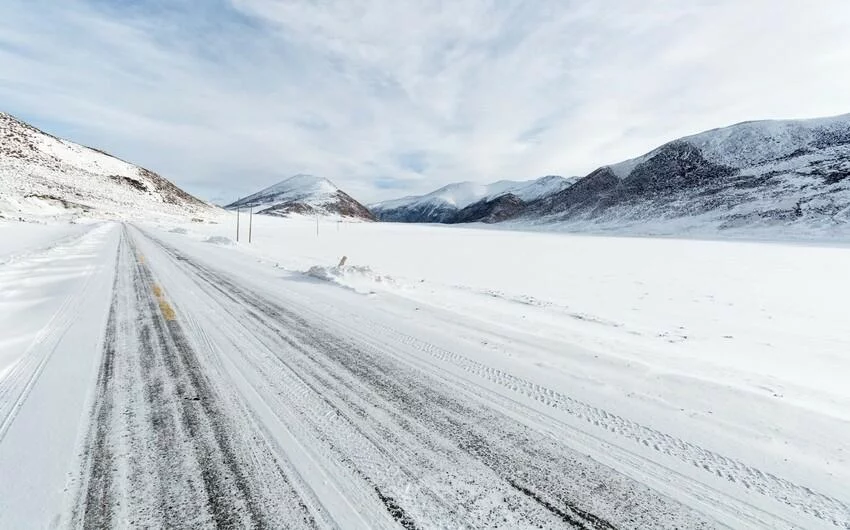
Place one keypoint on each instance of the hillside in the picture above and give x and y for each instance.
(467, 201)
(44, 175)
(306, 195)
(753, 174)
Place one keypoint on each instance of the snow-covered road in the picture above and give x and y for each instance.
(194, 387)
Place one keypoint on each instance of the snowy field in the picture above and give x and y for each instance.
(442, 375)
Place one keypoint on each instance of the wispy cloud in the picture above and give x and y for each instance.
(389, 98)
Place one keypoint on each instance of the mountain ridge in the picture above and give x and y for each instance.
(306, 195)
(42, 174)
(750, 174)
(445, 204)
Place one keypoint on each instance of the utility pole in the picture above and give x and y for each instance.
(237, 224)
(250, 222)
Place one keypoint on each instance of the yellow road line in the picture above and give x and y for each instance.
(164, 307)
(166, 310)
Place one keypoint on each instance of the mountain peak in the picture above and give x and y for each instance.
(303, 194)
(296, 186)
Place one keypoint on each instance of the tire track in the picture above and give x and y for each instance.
(528, 465)
(163, 450)
(796, 496)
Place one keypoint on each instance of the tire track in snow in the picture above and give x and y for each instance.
(99, 492)
(524, 462)
(162, 449)
(796, 496)
(799, 497)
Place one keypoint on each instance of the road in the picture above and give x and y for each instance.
(225, 400)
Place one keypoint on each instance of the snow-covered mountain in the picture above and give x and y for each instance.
(44, 175)
(753, 174)
(304, 194)
(775, 173)
(444, 205)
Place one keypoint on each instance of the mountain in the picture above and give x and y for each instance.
(773, 173)
(762, 173)
(304, 194)
(44, 175)
(445, 204)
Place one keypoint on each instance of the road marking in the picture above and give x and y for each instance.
(164, 307)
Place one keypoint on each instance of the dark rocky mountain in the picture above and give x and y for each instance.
(754, 173)
(416, 213)
(41, 174)
(304, 195)
(495, 210)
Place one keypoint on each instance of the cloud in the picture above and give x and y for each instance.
(390, 98)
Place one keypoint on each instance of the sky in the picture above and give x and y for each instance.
(393, 97)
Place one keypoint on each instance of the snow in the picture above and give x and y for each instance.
(84, 158)
(360, 278)
(310, 189)
(462, 194)
(708, 373)
(751, 143)
(53, 306)
(217, 240)
(17, 239)
(47, 179)
(739, 345)
(459, 195)
(536, 189)
(751, 290)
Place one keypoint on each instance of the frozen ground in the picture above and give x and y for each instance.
(442, 376)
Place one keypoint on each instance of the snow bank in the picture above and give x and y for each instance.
(219, 240)
(360, 278)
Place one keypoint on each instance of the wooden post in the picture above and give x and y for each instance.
(250, 222)
(237, 225)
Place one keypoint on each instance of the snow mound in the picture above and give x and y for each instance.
(219, 240)
(360, 278)
(178, 230)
